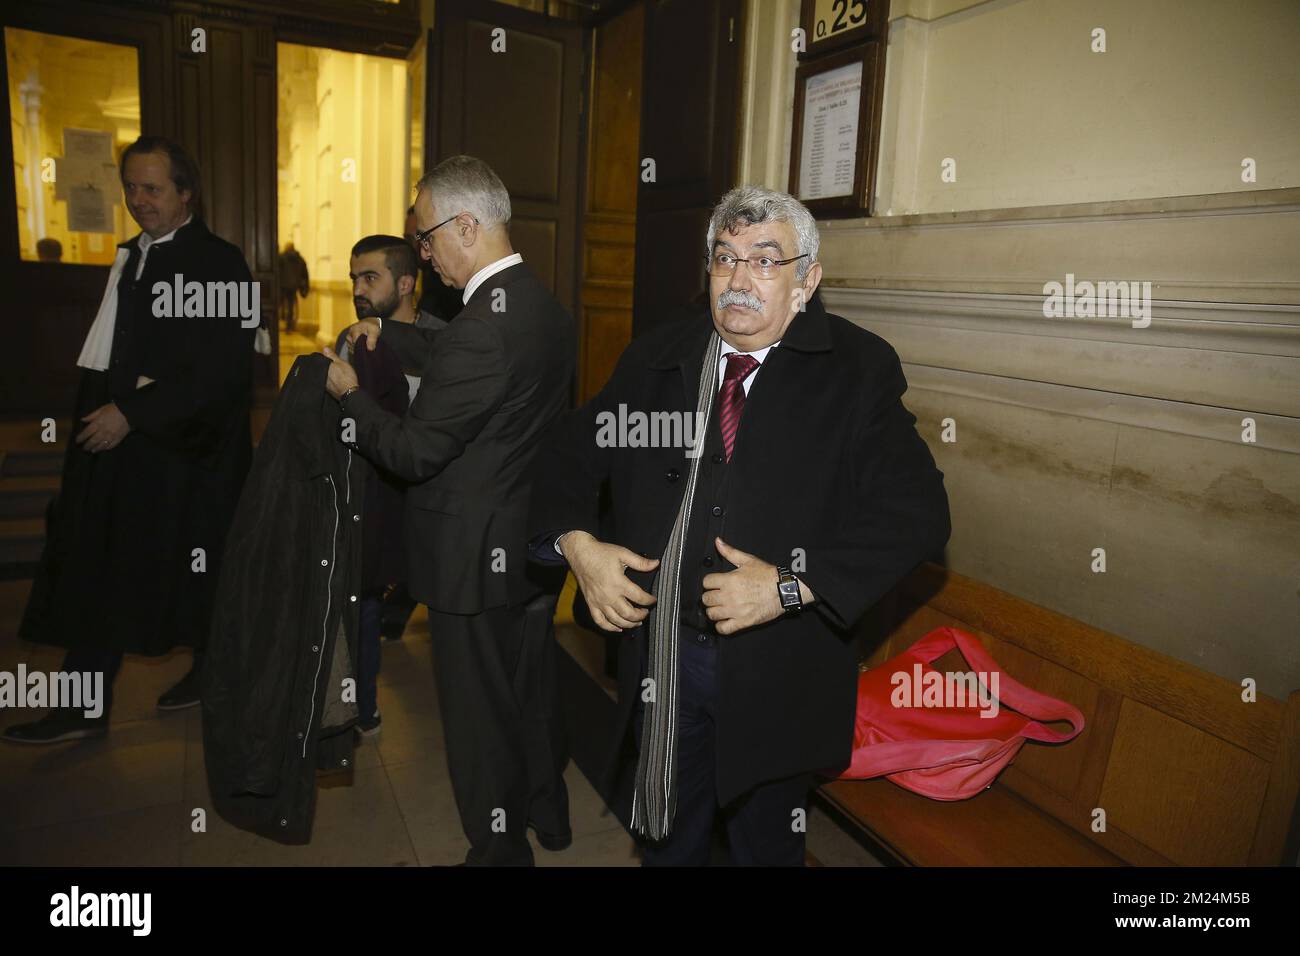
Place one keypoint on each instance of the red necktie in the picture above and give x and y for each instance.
(731, 397)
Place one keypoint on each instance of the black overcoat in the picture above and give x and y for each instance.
(279, 682)
(827, 464)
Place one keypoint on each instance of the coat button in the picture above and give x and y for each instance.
(300, 735)
(708, 562)
(324, 562)
(284, 822)
(315, 648)
(354, 597)
(717, 459)
(671, 474)
(717, 511)
(356, 517)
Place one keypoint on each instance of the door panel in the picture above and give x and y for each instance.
(609, 221)
(518, 110)
(688, 127)
(49, 306)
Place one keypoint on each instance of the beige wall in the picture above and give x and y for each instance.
(1013, 93)
(1083, 433)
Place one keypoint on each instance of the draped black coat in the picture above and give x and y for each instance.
(135, 536)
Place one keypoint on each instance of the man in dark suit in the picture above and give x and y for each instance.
(741, 558)
(492, 382)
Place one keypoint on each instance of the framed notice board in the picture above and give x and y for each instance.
(833, 24)
(835, 139)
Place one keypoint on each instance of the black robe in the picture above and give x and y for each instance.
(120, 570)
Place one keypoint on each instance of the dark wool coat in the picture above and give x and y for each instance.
(279, 680)
(827, 465)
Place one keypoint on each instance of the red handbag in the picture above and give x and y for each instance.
(915, 728)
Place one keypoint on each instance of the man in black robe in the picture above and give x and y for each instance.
(161, 448)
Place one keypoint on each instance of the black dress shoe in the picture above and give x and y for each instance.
(550, 841)
(56, 727)
(184, 694)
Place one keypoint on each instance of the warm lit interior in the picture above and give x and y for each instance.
(343, 169)
(73, 105)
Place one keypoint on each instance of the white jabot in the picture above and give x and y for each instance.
(487, 272)
(759, 355)
(147, 242)
(98, 347)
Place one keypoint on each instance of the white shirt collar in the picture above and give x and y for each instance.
(487, 272)
(147, 240)
(748, 380)
(759, 354)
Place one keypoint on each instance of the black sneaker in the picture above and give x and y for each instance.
(56, 727)
(368, 728)
(184, 694)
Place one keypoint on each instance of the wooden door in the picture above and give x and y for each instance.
(689, 118)
(50, 305)
(507, 88)
(609, 217)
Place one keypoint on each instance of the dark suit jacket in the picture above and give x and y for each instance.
(492, 382)
(827, 460)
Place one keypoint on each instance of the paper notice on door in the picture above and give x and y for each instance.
(73, 171)
(830, 133)
(89, 210)
(92, 145)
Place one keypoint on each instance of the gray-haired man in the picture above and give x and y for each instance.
(492, 382)
(737, 572)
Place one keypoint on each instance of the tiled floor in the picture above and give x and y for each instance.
(134, 797)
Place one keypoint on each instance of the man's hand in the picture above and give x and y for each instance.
(106, 427)
(367, 327)
(342, 376)
(745, 597)
(598, 566)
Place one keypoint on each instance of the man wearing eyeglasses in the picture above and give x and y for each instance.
(491, 382)
(736, 574)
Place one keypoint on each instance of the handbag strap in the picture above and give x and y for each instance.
(1025, 700)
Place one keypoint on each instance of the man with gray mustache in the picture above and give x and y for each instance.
(736, 575)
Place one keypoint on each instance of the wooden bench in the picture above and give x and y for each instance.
(1186, 772)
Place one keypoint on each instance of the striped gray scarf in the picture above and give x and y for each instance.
(654, 799)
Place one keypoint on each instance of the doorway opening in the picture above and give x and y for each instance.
(343, 172)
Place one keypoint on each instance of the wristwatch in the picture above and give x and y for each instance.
(787, 588)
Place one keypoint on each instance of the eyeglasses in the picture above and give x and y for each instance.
(724, 264)
(422, 238)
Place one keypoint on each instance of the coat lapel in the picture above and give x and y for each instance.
(685, 352)
(774, 395)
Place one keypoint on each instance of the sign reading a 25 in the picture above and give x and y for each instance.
(842, 14)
